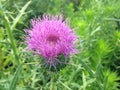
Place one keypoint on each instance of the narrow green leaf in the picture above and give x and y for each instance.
(15, 78)
(96, 30)
(65, 85)
(98, 72)
(84, 81)
(19, 15)
(112, 19)
(105, 82)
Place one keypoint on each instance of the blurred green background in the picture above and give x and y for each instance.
(96, 67)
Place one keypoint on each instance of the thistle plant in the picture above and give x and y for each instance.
(50, 37)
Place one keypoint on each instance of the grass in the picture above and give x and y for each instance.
(96, 67)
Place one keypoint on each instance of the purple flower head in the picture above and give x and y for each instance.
(50, 37)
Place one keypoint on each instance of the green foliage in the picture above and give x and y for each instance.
(96, 67)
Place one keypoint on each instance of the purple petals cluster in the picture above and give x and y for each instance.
(50, 37)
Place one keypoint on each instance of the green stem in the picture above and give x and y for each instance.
(12, 40)
(10, 28)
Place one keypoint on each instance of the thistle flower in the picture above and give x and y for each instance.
(50, 37)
